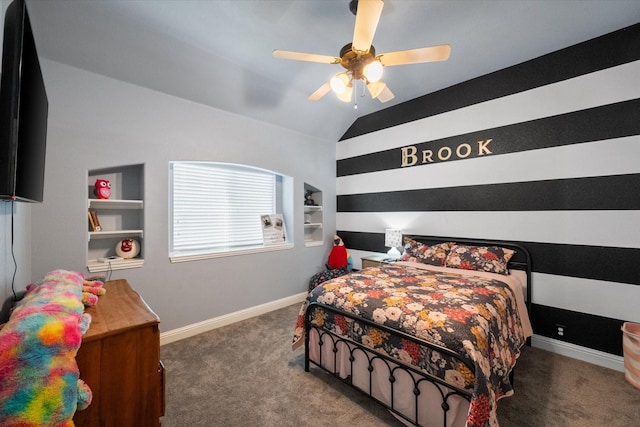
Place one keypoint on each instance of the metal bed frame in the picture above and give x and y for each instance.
(521, 260)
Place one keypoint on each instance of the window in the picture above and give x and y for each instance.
(215, 208)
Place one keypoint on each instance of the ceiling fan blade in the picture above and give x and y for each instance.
(415, 56)
(386, 95)
(376, 88)
(299, 56)
(367, 18)
(322, 91)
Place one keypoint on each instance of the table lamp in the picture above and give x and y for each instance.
(393, 240)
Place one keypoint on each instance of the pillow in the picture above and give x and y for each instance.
(493, 259)
(419, 252)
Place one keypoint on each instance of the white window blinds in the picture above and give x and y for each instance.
(216, 207)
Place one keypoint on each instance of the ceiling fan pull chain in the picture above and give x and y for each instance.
(355, 98)
(355, 102)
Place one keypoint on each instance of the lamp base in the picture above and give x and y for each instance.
(394, 253)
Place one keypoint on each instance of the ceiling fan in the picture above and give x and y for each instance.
(359, 57)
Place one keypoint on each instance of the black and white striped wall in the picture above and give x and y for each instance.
(546, 153)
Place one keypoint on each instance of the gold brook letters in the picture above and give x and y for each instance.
(410, 156)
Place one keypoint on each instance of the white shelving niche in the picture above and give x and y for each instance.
(313, 218)
(120, 216)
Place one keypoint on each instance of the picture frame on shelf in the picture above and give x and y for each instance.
(274, 232)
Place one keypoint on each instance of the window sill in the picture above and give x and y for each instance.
(184, 258)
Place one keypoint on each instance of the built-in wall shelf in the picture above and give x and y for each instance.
(120, 216)
(115, 204)
(115, 233)
(95, 266)
(313, 217)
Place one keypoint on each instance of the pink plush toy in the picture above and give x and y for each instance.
(102, 189)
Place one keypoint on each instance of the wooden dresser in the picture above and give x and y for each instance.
(120, 361)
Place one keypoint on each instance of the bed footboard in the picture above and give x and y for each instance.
(386, 380)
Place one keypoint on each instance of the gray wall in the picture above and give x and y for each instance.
(96, 122)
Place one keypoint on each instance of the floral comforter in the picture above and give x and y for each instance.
(477, 317)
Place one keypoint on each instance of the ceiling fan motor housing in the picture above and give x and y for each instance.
(353, 6)
(355, 62)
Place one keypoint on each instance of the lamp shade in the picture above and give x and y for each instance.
(339, 83)
(346, 95)
(342, 87)
(392, 238)
(373, 71)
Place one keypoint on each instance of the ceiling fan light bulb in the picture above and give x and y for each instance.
(346, 95)
(373, 71)
(337, 86)
(339, 83)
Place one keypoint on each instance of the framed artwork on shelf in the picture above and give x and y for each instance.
(273, 230)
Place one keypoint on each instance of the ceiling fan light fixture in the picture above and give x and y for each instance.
(360, 60)
(373, 71)
(346, 95)
(339, 83)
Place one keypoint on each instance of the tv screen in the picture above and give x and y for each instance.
(23, 111)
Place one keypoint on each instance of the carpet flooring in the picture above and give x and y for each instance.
(246, 374)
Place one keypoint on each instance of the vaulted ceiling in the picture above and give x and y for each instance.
(219, 52)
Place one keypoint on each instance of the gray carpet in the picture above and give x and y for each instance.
(246, 374)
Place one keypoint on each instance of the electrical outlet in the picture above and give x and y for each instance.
(560, 330)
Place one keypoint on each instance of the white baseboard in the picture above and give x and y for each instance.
(227, 319)
(555, 346)
(596, 357)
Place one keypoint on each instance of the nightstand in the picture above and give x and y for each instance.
(375, 260)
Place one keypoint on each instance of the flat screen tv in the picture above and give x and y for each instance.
(23, 111)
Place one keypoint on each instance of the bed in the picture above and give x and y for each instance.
(433, 337)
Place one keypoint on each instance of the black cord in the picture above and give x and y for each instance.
(13, 256)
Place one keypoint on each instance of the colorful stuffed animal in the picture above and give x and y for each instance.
(338, 264)
(102, 189)
(40, 383)
(92, 289)
(339, 257)
(84, 395)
